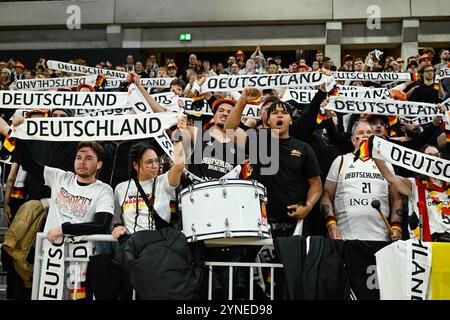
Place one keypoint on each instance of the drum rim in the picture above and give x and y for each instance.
(222, 232)
(216, 183)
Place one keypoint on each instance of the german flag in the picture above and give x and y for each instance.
(415, 76)
(197, 102)
(436, 86)
(320, 118)
(18, 193)
(447, 136)
(173, 207)
(246, 170)
(364, 151)
(334, 92)
(393, 120)
(100, 82)
(9, 143)
(81, 293)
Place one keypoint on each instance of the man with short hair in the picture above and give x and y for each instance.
(151, 66)
(172, 70)
(129, 66)
(424, 90)
(272, 67)
(235, 69)
(444, 56)
(230, 61)
(80, 204)
(240, 57)
(349, 190)
(139, 69)
(319, 58)
(348, 63)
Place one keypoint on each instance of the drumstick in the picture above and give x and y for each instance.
(376, 205)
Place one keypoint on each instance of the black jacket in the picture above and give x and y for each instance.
(159, 265)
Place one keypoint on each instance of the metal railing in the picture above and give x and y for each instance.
(209, 264)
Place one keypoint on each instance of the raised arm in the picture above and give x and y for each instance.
(156, 107)
(402, 184)
(4, 127)
(234, 119)
(176, 171)
(308, 120)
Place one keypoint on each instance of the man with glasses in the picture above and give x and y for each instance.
(359, 65)
(424, 90)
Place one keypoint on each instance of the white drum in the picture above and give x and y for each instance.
(224, 209)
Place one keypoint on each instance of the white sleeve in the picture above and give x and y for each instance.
(51, 175)
(118, 200)
(333, 173)
(106, 203)
(166, 186)
(400, 87)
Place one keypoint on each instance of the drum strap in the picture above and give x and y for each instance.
(159, 222)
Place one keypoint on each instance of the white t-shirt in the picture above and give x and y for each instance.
(358, 183)
(126, 201)
(71, 202)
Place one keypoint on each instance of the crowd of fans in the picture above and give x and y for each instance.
(328, 146)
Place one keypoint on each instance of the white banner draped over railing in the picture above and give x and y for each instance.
(53, 83)
(101, 128)
(62, 99)
(51, 285)
(412, 160)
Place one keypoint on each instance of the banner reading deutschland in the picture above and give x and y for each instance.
(53, 83)
(75, 68)
(102, 128)
(412, 160)
(264, 81)
(146, 82)
(141, 106)
(306, 96)
(62, 99)
(382, 106)
(372, 76)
